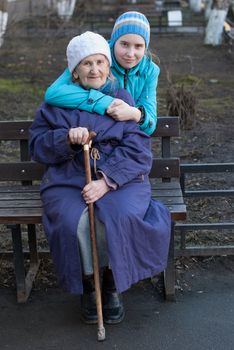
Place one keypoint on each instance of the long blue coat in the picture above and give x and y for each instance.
(137, 228)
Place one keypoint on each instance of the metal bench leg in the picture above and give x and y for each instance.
(32, 243)
(34, 261)
(18, 262)
(24, 281)
(169, 273)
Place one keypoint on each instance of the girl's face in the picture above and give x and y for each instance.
(92, 71)
(129, 50)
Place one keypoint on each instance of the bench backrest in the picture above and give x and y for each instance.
(164, 166)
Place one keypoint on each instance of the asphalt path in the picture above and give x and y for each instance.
(202, 318)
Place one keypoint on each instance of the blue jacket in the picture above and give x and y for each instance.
(129, 157)
(141, 81)
(137, 228)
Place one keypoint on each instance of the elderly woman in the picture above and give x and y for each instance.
(133, 230)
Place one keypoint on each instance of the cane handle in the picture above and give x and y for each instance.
(92, 134)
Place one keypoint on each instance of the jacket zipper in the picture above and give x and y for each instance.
(125, 78)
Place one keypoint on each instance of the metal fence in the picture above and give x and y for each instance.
(184, 228)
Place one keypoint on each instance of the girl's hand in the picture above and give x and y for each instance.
(78, 136)
(95, 190)
(121, 111)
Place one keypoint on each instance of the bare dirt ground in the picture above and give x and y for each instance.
(27, 66)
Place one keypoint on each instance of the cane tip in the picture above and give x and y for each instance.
(101, 334)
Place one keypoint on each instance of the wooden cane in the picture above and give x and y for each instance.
(101, 330)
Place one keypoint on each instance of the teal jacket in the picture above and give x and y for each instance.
(141, 81)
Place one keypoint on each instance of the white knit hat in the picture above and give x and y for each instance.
(84, 45)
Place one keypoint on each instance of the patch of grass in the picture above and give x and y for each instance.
(226, 83)
(12, 85)
(188, 80)
(17, 86)
(216, 104)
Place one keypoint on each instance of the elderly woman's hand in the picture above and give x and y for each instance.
(78, 136)
(121, 111)
(95, 190)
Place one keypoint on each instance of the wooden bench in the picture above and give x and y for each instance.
(20, 202)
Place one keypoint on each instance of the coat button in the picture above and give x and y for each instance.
(90, 100)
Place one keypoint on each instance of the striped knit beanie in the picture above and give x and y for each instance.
(131, 22)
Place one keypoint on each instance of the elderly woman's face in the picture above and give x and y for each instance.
(92, 71)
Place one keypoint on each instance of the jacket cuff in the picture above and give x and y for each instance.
(110, 183)
(148, 125)
(100, 101)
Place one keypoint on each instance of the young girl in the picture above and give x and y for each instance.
(131, 66)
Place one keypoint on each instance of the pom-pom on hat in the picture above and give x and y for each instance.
(84, 45)
(131, 22)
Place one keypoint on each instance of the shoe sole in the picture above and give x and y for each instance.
(119, 320)
(95, 321)
(105, 320)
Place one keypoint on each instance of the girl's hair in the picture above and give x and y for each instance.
(153, 56)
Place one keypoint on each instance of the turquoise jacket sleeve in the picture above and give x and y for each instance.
(64, 93)
(148, 101)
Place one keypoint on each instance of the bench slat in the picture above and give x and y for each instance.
(165, 168)
(21, 171)
(24, 203)
(20, 216)
(167, 126)
(168, 200)
(178, 212)
(13, 130)
(21, 204)
(19, 189)
(18, 130)
(33, 215)
(167, 193)
(19, 196)
(155, 183)
(158, 184)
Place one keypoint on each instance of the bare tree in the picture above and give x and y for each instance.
(195, 5)
(215, 23)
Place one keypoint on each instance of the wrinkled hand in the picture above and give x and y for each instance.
(78, 136)
(94, 191)
(121, 111)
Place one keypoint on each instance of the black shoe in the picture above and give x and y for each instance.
(88, 302)
(112, 303)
